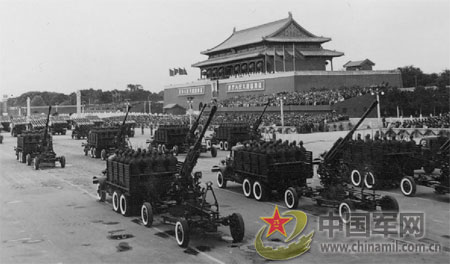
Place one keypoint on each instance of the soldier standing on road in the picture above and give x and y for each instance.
(142, 128)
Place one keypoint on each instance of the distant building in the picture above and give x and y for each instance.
(364, 65)
(174, 109)
(279, 56)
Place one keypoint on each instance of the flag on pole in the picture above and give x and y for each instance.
(171, 72)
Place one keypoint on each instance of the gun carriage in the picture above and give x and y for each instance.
(157, 184)
(35, 148)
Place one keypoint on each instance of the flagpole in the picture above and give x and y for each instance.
(265, 60)
(284, 59)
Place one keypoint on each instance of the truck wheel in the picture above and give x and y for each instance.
(175, 150)
(370, 181)
(237, 227)
(125, 205)
(103, 154)
(208, 144)
(346, 208)
(147, 214)
(291, 198)
(221, 182)
(163, 148)
(36, 163)
(247, 188)
(259, 191)
(355, 177)
(408, 186)
(389, 204)
(213, 152)
(226, 146)
(221, 145)
(63, 161)
(182, 233)
(115, 201)
(28, 159)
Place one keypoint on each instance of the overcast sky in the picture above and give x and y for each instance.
(58, 45)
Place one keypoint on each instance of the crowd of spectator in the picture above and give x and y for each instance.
(441, 121)
(311, 97)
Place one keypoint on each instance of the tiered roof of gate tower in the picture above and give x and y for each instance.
(278, 46)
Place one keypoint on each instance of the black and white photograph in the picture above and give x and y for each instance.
(216, 132)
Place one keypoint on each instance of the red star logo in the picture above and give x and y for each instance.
(276, 222)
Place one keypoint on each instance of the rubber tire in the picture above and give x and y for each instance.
(354, 182)
(94, 153)
(221, 182)
(36, 163)
(163, 148)
(389, 204)
(28, 159)
(346, 205)
(213, 152)
(147, 214)
(226, 146)
(221, 145)
(247, 184)
(116, 201)
(125, 205)
(263, 192)
(412, 185)
(103, 154)
(63, 161)
(175, 150)
(237, 227)
(292, 192)
(182, 233)
(375, 181)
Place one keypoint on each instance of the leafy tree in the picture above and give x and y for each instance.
(37, 101)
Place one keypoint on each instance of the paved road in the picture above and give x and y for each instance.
(52, 216)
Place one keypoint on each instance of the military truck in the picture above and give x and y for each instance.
(58, 125)
(227, 135)
(18, 125)
(154, 183)
(104, 141)
(81, 127)
(263, 167)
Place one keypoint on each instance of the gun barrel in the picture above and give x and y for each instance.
(332, 153)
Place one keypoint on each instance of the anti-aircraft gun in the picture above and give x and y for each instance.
(255, 135)
(193, 211)
(105, 140)
(153, 181)
(334, 191)
(191, 136)
(37, 147)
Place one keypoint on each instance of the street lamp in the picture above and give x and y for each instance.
(190, 100)
(281, 99)
(375, 90)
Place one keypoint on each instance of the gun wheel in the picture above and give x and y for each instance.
(408, 186)
(237, 227)
(346, 208)
(182, 233)
(291, 198)
(147, 214)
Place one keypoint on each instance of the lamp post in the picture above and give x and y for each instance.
(377, 91)
(281, 99)
(190, 100)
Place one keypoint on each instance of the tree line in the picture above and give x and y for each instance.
(133, 92)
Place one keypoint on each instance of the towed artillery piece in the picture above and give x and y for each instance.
(158, 184)
(179, 138)
(104, 141)
(36, 148)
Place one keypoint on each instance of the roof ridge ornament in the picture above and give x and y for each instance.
(290, 14)
(234, 29)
